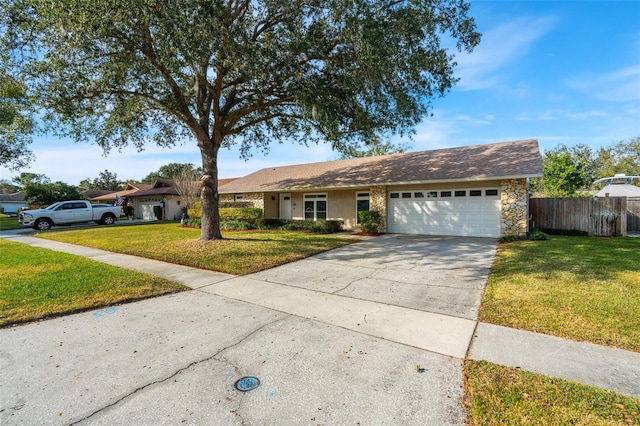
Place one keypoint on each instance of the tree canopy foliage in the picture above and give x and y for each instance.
(372, 148)
(106, 180)
(236, 71)
(16, 124)
(171, 170)
(38, 189)
(571, 170)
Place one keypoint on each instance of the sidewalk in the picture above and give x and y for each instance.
(608, 368)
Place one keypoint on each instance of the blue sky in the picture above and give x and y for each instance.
(563, 72)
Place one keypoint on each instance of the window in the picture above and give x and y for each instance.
(461, 193)
(406, 195)
(491, 192)
(239, 197)
(394, 195)
(475, 193)
(315, 206)
(362, 204)
(418, 195)
(445, 194)
(432, 194)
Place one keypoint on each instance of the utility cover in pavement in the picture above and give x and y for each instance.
(246, 384)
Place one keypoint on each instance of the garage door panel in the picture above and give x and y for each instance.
(464, 216)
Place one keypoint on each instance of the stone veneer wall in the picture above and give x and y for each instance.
(378, 202)
(514, 207)
(255, 198)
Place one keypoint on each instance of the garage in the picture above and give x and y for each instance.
(146, 209)
(473, 212)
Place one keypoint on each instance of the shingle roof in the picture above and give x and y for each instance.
(17, 197)
(168, 187)
(130, 189)
(517, 159)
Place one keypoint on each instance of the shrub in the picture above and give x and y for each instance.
(566, 232)
(195, 212)
(235, 225)
(537, 235)
(234, 204)
(192, 223)
(370, 221)
(249, 214)
(270, 223)
(534, 235)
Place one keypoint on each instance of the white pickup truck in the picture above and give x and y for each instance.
(69, 212)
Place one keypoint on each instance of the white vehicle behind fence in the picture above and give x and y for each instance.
(69, 212)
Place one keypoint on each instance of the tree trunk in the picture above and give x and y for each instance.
(210, 201)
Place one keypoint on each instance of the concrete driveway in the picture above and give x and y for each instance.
(334, 339)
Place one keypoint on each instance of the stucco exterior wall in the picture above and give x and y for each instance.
(514, 202)
(271, 207)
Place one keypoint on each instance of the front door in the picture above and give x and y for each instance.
(285, 206)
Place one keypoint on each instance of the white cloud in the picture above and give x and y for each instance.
(500, 47)
(621, 85)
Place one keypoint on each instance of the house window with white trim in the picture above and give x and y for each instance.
(362, 204)
(239, 197)
(315, 206)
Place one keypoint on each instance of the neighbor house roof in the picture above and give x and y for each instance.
(93, 193)
(130, 189)
(168, 187)
(619, 190)
(505, 160)
(17, 197)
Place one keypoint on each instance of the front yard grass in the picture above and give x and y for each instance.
(508, 396)
(239, 253)
(7, 223)
(36, 283)
(580, 288)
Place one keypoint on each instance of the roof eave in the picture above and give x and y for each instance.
(366, 185)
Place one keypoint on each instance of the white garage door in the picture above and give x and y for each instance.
(146, 210)
(461, 212)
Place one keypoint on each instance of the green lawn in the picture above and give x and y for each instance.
(508, 396)
(7, 223)
(581, 288)
(239, 253)
(36, 283)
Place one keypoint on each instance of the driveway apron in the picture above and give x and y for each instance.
(371, 333)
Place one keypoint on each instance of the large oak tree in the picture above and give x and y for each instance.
(223, 72)
(16, 124)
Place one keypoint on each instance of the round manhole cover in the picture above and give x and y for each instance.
(246, 384)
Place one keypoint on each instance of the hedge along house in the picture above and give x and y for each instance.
(479, 191)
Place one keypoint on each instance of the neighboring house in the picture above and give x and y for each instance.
(467, 191)
(129, 190)
(162, 193)
(89, 194)
(11, 203)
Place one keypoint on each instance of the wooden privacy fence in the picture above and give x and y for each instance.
(601, 217)
(633, 214)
